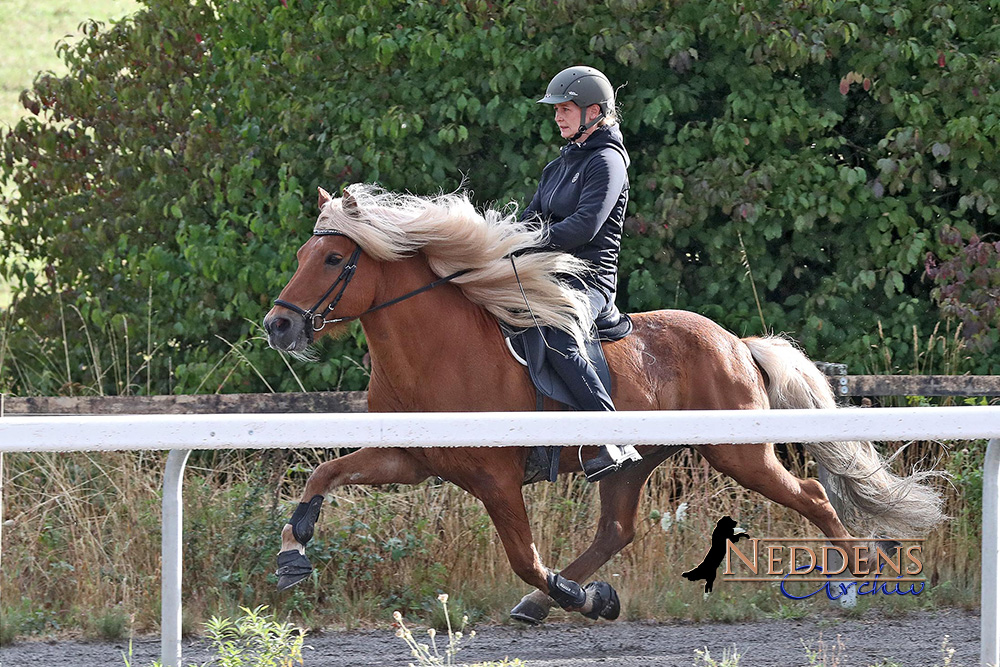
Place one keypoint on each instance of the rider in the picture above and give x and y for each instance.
(581, 199)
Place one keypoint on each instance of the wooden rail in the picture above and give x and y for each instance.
(317, 402)
(923, 385)
(356, 401)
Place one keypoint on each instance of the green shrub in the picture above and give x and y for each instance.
(802, 157)
(111, 624)
(254, 639)
(10, 626)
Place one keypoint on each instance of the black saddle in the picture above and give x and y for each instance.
(528, 347)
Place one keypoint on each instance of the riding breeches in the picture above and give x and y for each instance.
(574, 368)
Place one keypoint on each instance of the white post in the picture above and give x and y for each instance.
(171, 556)
(2, 414)
(990, 621)
(1, 508)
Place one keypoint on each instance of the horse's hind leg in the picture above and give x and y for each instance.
(758, 469)
(365, 466)
(620, 496)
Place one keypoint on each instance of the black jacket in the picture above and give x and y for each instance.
(581, 197)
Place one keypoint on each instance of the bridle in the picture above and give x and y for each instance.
(318, 320)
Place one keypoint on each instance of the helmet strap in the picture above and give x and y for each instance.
(584, 125)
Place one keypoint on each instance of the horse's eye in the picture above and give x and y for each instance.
(333, 259)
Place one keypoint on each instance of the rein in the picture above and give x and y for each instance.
(317, 321)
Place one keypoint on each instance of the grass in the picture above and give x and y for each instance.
(85, 537)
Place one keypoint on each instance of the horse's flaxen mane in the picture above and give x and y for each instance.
(453, 235)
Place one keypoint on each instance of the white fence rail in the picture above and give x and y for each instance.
(183, 433)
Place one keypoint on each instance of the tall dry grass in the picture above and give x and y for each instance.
(83, 538)
(82, 532)
(943, 352)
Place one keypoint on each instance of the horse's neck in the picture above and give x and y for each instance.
(435, 351)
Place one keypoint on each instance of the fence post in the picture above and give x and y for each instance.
(836, 374)
(171, 557)
(3, 398)
(1, 508)
(990, 621)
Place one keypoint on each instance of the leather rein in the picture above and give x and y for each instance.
(318, 320)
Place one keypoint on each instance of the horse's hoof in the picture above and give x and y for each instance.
(293, 567)
(605, 602)
(529, 612)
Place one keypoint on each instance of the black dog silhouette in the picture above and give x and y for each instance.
(707, 570)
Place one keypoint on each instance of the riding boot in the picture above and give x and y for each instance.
(581, 378)
(610, 459)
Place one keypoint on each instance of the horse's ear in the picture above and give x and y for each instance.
(324, 198)
(349, 204)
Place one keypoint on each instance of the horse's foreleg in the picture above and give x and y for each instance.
(365, 466)
(620, 496)
(505, 505)
(502, 498)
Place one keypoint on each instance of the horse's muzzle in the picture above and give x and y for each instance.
(285, 333)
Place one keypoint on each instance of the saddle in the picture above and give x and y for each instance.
(528, 347)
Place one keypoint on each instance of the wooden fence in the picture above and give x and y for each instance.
(355, 401)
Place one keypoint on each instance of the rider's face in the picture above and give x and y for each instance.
(567, 118)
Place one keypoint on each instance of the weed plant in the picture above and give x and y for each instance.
(730, 658)
(428, 653)
(945, 352)
(252, 639)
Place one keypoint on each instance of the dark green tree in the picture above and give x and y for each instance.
(793, 166)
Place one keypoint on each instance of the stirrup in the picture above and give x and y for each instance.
(606, 463)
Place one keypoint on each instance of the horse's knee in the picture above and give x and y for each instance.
(321, 478)
(331, 474)
(814, 490)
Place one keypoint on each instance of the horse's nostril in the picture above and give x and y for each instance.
(281, 324)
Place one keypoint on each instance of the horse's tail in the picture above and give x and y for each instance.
(868, 497)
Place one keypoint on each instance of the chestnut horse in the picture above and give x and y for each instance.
(430, 277)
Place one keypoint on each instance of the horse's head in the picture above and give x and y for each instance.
(328, 287)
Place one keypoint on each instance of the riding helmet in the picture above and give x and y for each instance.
(583, 86)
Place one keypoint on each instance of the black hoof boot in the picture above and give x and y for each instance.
(610, 459)
(293, 567)
(529, 612)
(604, 598)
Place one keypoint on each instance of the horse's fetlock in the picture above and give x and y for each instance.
(567, 593)
(304, 518)
(603, 599)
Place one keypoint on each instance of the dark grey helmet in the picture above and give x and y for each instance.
(583, 86)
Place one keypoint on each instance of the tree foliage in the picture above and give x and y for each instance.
(793, 165)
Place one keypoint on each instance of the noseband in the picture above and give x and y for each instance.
(317, 321)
